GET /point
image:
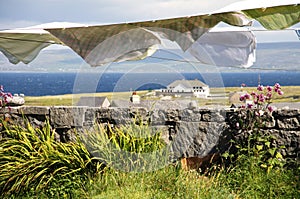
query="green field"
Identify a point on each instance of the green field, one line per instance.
(291, 94)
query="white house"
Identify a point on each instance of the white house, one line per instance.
(194, 88)
(135, 99)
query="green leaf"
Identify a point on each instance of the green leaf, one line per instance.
(278, 155)
(272, 151)
(259, 147)
(264, 166)
(268, 144)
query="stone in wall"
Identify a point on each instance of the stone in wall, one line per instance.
(213, 115)
(157, 117)
(196, 138)
(287, 141)
(67, 117)
(34, 110)
(288, 123)
(119, 116)
(189, 115)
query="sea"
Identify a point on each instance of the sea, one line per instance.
(48, 83)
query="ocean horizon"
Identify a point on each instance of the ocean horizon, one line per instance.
(40, 84)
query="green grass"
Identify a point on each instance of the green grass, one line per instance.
(33, 165)
(72, 99)
(291, 94)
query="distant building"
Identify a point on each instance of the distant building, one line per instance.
(194, 88)
(102, 102)
(135, 99)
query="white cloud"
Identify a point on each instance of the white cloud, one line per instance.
(104, 11)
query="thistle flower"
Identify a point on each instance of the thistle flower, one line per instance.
(247, 96)
(271, 108)
(260, 88)
(269, 96)
(242, 98)
(261, 98)
(277, 87)
(250, 106)
(269, 88)
(280, 92)
(253, 94)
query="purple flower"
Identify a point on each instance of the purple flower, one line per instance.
(261, 98)
(237, 125)
(247, 96)
(268, 96)
(254, 94)
(243, 85)
(269, 88)
(242, 98)
(277, 85)
(249, 106)
(271, 108)
(260, 88)
(280, 92)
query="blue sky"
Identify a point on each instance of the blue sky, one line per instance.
(22, 13)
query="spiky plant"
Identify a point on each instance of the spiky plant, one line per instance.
(128, 147)
(32, 161)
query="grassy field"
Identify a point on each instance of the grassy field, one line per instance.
(291, 94)
(34, 165)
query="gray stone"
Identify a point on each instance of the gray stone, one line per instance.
(288, 142)
(34, 110)
(120, 116)
(212, 116)
(11, 110)
(67, 117)
(270, 122)
(158, 117)
(172, 115)
(189, 115)
(196, 138)
(103, 113)
(90, 115)
(288, 123)
(286, 113)
(139, 113)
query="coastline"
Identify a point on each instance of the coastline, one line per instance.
(291, 95)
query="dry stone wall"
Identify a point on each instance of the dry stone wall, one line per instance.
(190, 132)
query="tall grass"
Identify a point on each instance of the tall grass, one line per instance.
(32, 161)
(128, 148)
(33, 165)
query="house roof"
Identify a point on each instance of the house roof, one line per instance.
(91, 101)
(188, 83)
